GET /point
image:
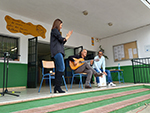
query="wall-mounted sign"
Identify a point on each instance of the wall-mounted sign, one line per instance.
(147, 48)
(92, 41)
(18, 26)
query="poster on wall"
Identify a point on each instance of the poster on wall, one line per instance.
(119, 52)
(18, 26)
(130, 53)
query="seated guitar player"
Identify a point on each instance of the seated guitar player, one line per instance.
(79, 67)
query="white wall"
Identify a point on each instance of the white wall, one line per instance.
(23, 39)
(75, 40)
(141, 35)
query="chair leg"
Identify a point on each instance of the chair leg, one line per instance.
(95, 81)
(81, 81)
(79, 84)
(90, 84)
(50, 83)
(122, 77)
(41, 84)
(65, 82)
(72, 82)
(119, 77)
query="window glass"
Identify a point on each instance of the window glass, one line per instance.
(10, 45)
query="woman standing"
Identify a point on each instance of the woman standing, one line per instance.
(57, 52)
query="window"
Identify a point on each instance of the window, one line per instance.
(10, 45)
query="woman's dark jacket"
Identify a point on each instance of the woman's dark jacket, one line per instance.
(56, 43)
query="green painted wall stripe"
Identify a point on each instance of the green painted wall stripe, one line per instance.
(17, 74)
(142, 73)
(127, 73)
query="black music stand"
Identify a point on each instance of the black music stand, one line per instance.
(6, 55)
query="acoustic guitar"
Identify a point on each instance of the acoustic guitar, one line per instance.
(79, 61)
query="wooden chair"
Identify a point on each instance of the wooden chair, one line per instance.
(50, 75)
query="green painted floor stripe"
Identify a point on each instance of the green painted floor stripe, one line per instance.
(93, 105)
(55, 100)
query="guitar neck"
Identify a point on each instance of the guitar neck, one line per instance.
(87, 61)
(80, 62)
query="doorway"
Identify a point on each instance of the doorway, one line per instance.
(43, 54)
(37, 51)
(42, 50)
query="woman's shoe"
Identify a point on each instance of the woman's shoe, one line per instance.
(58, 89)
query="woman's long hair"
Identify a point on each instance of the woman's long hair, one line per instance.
(56, 24)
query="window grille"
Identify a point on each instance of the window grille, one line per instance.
(10, 45)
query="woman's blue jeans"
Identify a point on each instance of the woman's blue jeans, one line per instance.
(59, 62)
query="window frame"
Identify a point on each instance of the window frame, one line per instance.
(16, 44)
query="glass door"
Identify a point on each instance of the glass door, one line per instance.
(32, 63)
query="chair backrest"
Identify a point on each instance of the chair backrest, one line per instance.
(47, 65)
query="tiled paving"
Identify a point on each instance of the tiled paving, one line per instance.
(142, 109)
(28, 94)
(79, 102)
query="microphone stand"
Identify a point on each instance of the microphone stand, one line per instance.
(5, 91)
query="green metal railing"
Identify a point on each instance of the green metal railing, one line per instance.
(141, 70)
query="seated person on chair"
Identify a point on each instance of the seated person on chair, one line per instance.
(97, 66)
(83, 67)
